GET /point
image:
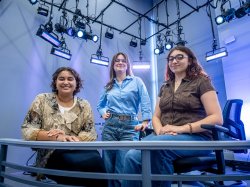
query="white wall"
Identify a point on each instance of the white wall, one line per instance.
(27, 65)
(236, 65)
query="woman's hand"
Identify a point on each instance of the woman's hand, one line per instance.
(55, 132)
(66, 138)
(142, 126)
(106, 115)
(171, 129)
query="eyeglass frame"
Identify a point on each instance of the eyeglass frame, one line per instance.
(170, 59)
(121, 60)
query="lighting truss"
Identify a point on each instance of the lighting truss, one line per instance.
(61, 52)
(100, 60)
(48, 36)
(216, 53)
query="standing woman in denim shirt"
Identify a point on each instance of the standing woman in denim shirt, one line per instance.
(119, 106)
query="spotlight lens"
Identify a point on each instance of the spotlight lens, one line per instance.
(95, 38)
(157, 51)
(70, 31)
(33, 2)
(219, 20)
(80, 34)
(168, 46)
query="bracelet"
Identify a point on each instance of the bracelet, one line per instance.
(190, 128)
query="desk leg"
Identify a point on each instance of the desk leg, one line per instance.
(146, 168)
(3, 156)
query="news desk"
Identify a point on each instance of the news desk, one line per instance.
(145, 147)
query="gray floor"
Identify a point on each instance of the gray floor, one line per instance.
(20, 174)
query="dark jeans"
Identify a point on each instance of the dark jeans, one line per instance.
(77, 160)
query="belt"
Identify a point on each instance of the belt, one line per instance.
(124, 117)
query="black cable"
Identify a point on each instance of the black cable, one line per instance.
(27, 164)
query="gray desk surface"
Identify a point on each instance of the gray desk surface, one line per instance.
(143, 145)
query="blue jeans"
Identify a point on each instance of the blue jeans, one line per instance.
(161, 160)
(117, 130)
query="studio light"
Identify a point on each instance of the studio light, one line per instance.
(80, 24)
(43, 10)
(33, 1)
(143, 42)
(169, 45)
(180, 42)
(60, 28)
(219, 20)
(79, 33)
(159, 50)
(225, 16)
(87, 35)
(141, 66)
(94, 38)
(48, 36)
(243, 10)
(100, 60)
(61, 52)
(71, 31)
(109, 33)
(229, 14)
(215, 54)
(133, 42)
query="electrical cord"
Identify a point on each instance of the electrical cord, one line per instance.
(33, 165)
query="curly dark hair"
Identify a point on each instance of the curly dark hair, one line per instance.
(193, 70)
(77, 77)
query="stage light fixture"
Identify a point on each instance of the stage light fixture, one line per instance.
(33, 1)
(143, 42)
(225, 16)
(43, 10)
(60, 28)
(229, 14)
(109, 33)
(216, 53)
(48, 36)
(133, 42)
(159, 50)
(99, 59)
(71, 31)
(141, 65)
(87, 36)
(80, 24)
(219, 20)
(169, 44)
(243, 10)
(94, 38)
(79, 33)
(61, 52)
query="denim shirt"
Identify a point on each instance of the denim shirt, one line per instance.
(125, 98)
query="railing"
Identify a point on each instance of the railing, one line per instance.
(146, 177)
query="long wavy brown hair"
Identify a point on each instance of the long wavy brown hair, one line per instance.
(112, 73)
(73, 72)
(193, 70)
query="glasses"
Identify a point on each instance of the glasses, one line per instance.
(178, 57)
(120, 60)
